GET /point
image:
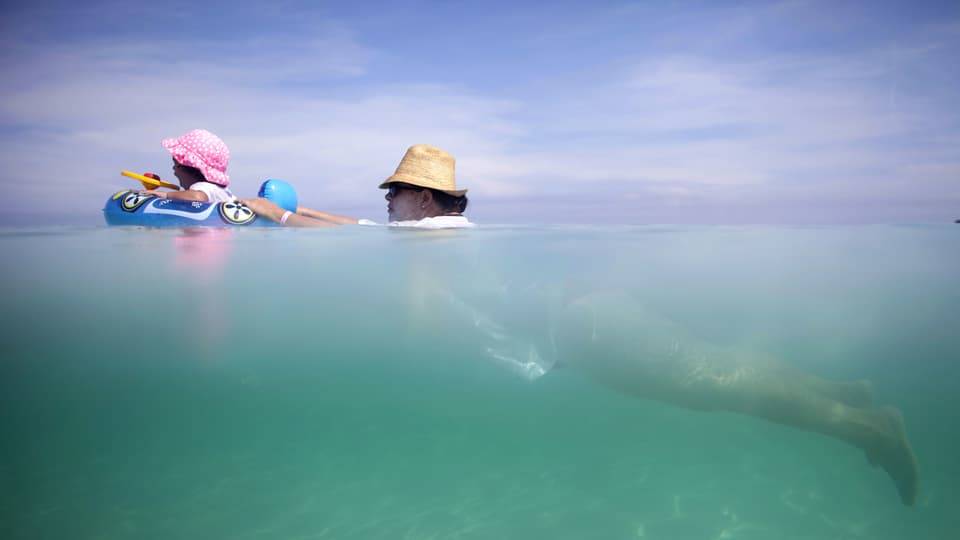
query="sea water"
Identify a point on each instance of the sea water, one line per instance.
(378, 383)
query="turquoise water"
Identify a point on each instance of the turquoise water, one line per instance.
(374, 383)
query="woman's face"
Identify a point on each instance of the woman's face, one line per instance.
(404, 202)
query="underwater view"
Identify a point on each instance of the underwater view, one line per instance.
(560, 382)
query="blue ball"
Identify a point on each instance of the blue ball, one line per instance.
(279, 192)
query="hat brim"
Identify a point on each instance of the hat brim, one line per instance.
(413, 181)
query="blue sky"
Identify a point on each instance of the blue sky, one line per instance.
(788, 112)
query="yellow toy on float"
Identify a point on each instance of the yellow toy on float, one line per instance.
(150, 180)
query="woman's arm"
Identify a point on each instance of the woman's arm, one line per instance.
(325, 216)
(270, 210)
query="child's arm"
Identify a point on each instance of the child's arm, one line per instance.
(185, 195)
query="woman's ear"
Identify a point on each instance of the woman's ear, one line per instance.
(426, 197)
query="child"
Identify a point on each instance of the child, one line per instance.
(200, 164)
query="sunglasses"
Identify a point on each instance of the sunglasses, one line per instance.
(396, 188)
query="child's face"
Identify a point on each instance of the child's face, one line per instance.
(186, 175)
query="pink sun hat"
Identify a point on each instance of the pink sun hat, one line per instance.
(203, 150)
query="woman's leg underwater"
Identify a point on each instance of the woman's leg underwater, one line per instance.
(616, 341)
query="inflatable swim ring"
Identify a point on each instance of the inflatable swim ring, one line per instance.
(131, 208)
(128, 207)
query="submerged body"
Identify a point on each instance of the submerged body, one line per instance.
(616, 339)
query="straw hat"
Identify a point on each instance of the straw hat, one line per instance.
(426, 166)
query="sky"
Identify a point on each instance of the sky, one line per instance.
(793, 112)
